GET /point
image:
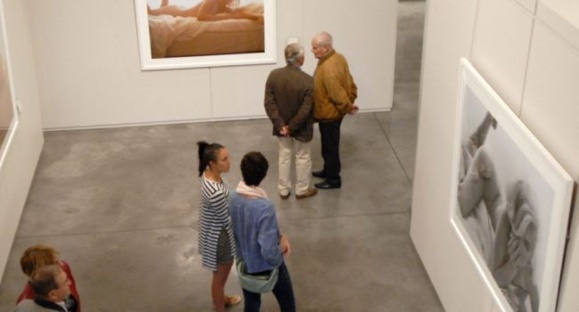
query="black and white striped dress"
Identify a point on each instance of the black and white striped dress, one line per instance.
(213, 217)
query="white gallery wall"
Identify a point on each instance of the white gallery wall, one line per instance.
(23, 152)
(87, 59)
(528, 50)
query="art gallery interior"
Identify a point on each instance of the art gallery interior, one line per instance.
(101, 160)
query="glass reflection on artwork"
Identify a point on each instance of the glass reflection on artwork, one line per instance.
(8, 118)
(6, 109)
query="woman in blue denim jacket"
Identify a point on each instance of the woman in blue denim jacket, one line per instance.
(258, 240)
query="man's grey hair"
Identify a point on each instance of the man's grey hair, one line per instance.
(293, 53)
(324, 39)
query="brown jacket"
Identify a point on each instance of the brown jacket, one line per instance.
(334, 88)
(289, 101)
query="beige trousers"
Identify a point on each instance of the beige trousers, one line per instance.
(287, 148)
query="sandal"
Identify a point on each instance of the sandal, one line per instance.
(232, 300)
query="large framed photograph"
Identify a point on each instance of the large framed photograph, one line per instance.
(205, 33)
(510, 200)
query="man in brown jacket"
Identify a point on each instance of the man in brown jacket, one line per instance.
(288, 103)
(334, 96)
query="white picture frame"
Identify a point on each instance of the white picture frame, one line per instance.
(176, 42)
(510, 200)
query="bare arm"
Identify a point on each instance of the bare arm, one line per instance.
(174, 10)
(479, 136)
(285, 245)
(214, 10)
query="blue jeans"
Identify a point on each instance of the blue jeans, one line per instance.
(283, 292)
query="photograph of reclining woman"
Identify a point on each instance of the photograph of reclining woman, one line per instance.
(204, 33)
(508, 208)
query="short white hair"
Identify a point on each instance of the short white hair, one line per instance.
(324, 39)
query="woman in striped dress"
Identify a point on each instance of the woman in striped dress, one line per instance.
(216, 242)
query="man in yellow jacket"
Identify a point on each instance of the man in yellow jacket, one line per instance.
(334, 96)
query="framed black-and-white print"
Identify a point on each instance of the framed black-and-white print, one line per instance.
(510, 201)
(205, 33)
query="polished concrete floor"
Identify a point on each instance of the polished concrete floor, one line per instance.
(121, 205)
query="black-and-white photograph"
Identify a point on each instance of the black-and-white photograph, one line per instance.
(510, 199)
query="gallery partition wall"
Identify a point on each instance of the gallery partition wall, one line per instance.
(22, 145)
(528, 53)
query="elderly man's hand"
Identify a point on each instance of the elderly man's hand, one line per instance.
(354, 109)
(285, 131)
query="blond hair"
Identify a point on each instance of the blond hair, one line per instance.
(37, 256)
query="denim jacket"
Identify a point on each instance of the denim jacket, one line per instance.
(256, 232)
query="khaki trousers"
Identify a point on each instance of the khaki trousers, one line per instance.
(288, 147)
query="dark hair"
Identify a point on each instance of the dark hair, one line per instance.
(254, 168)
(44, 279)
(207, 153)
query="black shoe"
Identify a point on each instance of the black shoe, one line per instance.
(327, 185)
(319, 174)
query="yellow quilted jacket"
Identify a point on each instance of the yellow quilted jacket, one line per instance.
(334, 88)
